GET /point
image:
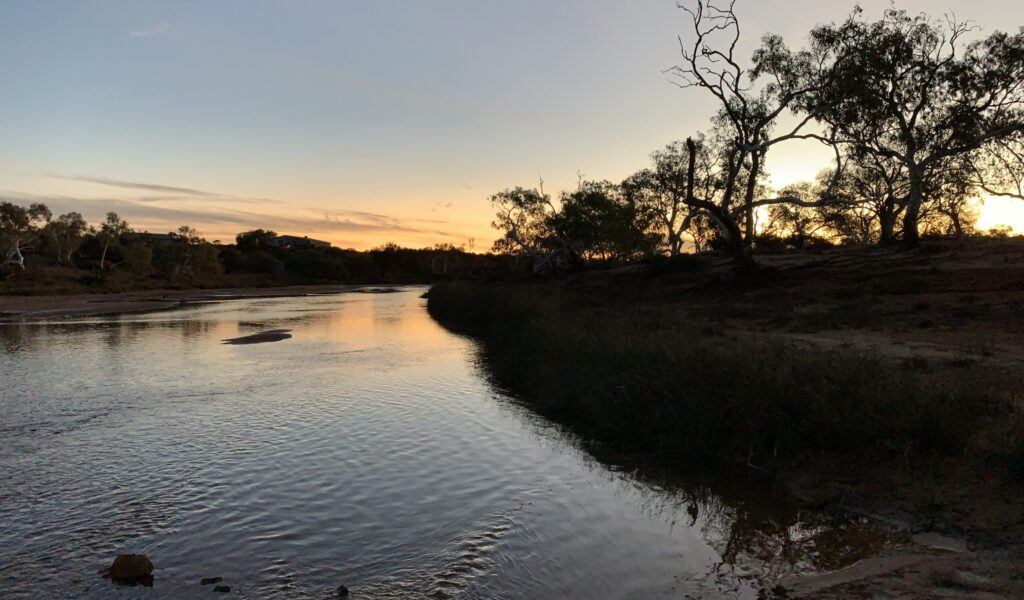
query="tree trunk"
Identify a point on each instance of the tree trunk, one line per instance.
(737, 247)
(748, 200)
(738, 250)
(887, 225)
(958, 228)
(911, 236)
(103, 257)
(17, 258)
(674, 243)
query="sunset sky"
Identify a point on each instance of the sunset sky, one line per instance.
(361, 122)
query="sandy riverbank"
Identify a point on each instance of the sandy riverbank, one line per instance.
(31, 308)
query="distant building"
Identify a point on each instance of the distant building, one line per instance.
(294, 241)
(154, 238)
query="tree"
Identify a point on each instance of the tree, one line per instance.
(188, 254)
(661, 192)
(109, 235)
(950, 206)
(18, 227)
(257, 238)
(66, 233)
(797, 226)
(751, 102)
(138, 258)
(907, 89)
(598, 222)
(876, 189)
(523, 217)
(997, 169)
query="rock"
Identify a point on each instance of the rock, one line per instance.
(131, 569)
(222, 589)
(209, 580)
(272, 335)
(342, 591)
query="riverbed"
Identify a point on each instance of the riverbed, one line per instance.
(357, 443)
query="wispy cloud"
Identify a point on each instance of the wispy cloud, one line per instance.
(161, 28)
(156, 217)
(157, 187)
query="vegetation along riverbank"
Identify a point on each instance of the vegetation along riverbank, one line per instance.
(876, 380)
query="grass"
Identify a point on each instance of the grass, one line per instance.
(643, 378)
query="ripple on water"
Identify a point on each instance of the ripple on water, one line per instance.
(368, 450)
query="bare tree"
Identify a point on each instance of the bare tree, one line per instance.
(751, 104)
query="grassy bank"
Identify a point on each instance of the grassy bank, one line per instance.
(642, 378)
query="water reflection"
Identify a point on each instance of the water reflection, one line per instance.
(366, 450)
(759, 532)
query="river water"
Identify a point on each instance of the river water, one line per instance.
(369, 449)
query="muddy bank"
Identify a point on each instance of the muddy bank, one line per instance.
(29, 308)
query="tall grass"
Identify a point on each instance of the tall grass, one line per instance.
(643, 378)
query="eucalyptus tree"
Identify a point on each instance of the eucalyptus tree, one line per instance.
(522, 216)
(110, 234)
(66, 233)
(601, 222)
(997, 169)
(752, 102)
(913, 91)
(661, 191)
(875, 189)
(19, 226)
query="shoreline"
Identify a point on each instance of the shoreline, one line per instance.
(28, 309)
(940, 473)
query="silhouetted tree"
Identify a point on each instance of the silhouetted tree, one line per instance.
(660, 191)
(750, 104)
(252, 240)
(598, 222)
(18, 227)
(524, 218)
(908, 90)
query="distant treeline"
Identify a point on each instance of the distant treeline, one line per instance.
(922, 125)
(43, 253)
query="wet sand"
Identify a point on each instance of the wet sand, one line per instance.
(32, 308)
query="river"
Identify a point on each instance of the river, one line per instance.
(368, 449)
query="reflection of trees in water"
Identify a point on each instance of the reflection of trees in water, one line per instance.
(24, 336)
(121, 333)
(759, 533)
(13, 336)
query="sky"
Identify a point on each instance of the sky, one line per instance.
(363, 122)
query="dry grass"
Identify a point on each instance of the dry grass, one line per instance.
(641, 378)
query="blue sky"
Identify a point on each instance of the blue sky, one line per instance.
(358, 122)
